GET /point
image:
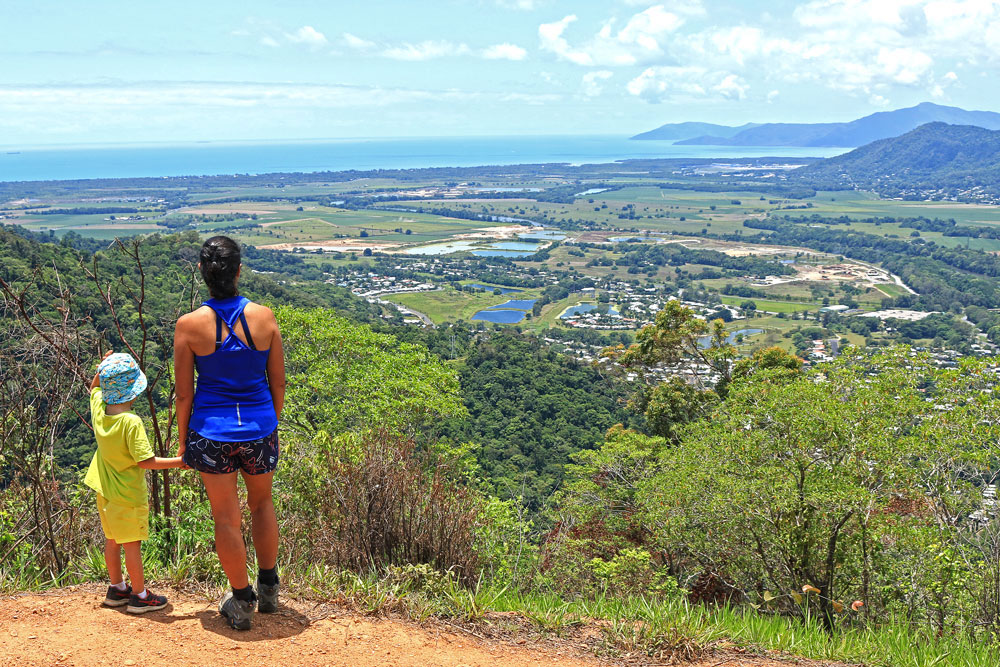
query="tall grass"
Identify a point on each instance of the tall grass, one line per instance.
(895, 644)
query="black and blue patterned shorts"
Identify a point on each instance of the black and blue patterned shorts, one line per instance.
(254, 457)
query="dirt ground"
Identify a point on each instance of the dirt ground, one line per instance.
(70, 627)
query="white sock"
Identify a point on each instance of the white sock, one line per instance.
(144, 594)
(120, 586)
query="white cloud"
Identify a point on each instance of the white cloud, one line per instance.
(591, 82)
(308, 36)
(550, 35)
(732, 87)
(523, 5)
(903, 65)
(641, 40)
(739, 42)
(504, 51)
(426, 50)
(267, 40)
(657, 84)
(683, 7)
(139, 97)
(356, 42)
(152, 110)
(689, 83)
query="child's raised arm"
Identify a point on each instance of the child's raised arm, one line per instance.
(96, 382)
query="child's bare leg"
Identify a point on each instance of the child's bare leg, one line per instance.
(133, 563)
(113, 559)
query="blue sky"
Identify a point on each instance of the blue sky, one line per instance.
(98, 72)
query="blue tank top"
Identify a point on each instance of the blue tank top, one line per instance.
(232, 402)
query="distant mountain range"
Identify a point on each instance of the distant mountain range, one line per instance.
(935, 159)
(881, 125)
(678, 131)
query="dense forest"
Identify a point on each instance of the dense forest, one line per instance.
(529, 409)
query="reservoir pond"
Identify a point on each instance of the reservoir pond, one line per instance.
(499, 316)
(488, 288)
(516, 304)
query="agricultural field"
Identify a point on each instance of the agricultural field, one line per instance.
(96, 225)
(333, 224)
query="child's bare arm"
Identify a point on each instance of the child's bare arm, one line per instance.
(96, 382)
(159, 463)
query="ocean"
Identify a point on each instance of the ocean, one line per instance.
(213, 158)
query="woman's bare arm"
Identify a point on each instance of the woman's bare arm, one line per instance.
(183, 380)
(276, 370)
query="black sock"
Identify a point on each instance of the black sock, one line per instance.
(243, 594)
(268, 577)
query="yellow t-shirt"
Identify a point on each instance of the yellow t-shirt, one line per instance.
(121, 442)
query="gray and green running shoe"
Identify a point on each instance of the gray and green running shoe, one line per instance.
(267, 597)
(238, 612)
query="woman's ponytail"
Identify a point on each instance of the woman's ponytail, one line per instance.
(220, 262)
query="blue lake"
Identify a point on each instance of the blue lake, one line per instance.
(516, 245)
(545, 235)
(626, 239)
(488, 288)
(517, 304)
(581, 309)
(441, 248)
(499, 316)
(704, 341)
(503, 253)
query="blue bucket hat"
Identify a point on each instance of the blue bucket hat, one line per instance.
(120, 378)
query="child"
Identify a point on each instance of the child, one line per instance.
(117, 474)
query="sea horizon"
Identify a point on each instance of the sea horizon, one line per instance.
(212, 158)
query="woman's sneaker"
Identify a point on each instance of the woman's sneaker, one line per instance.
(267, 600)
(152, 602)
(238, 612)
(117, 598)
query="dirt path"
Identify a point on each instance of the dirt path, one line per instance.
(70, 627)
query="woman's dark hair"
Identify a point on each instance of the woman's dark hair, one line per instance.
(220, 261)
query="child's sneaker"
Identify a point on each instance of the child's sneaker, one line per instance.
(238, 612)
(152, 602)
(116, 597)
(267, 602)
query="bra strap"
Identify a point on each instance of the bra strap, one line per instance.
(218, 331)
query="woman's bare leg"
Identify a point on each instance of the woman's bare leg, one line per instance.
(229, 545)
(263, 520)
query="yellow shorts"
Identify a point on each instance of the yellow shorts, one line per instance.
(121, 523)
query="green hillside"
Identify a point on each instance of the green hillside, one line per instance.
(934, 157)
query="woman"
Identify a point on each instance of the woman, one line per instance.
(229, 424)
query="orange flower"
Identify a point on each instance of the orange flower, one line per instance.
(857, 605)
(809, 589)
